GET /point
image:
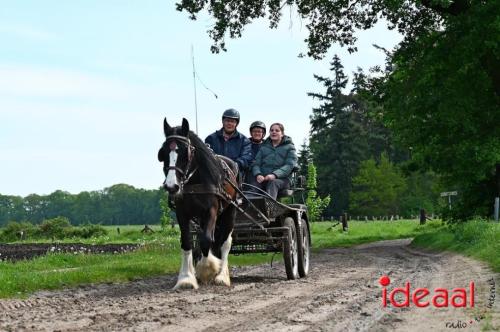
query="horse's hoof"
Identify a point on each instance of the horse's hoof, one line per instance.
(188, 282)
(223, 279)
(207, 268)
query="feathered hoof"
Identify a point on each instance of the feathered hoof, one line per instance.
(223, 279)
(186, 282)
(208, 268)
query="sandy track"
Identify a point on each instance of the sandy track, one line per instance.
(342, 293)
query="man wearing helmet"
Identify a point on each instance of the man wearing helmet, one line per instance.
(257, 133)
(229, 142)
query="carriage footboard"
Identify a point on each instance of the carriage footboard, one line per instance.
(252, 240)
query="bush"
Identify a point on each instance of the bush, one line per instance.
(55, 228)
(86, 231)
(13, 230)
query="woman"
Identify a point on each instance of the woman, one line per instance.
(274, 162)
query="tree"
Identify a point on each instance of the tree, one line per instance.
(441, 97)
(422, 192)
(377, 188)
(315, 205)
(338, 138)
(440, 91)
(304, 158)
(328, 22)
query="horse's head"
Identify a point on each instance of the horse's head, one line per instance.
(176, 154)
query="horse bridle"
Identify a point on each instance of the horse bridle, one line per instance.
(186, 173)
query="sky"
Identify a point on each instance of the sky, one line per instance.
(85, 86)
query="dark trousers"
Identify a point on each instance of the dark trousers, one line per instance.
(271, 187)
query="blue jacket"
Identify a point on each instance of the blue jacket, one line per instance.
(255, 149)
(238, 147)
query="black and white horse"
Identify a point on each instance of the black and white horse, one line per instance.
(203, 188)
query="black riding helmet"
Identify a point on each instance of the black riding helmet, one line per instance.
(258, 124)
(232, 114)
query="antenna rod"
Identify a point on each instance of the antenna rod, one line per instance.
(194, 83)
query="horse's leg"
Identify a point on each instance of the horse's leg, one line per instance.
(186, 278)
(209, 265)
(227, 224)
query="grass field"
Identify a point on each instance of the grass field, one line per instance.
(160, 252)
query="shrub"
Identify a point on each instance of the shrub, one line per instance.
(13, 230)
(54, 228)
(86, 232)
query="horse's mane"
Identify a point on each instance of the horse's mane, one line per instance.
(206, 159)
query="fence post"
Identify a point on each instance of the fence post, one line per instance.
(497, 203)
(422, 217)
(344, 222)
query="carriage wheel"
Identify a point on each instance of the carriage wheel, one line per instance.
(304, 249)
(290, 252)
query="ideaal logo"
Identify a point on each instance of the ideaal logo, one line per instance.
(422, 297)
(439, 298)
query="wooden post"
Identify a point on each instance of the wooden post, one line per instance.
(422, 217)
(345, 228)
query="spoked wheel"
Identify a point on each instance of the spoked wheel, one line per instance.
(290, 251)
(304, 249)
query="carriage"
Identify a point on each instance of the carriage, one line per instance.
(267, 225)
(218, 215)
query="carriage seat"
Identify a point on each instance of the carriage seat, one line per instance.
(297, 183)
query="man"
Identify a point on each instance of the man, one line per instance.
(229, 142)
(257, 133)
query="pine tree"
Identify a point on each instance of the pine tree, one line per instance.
(338, 142)
(304, 158)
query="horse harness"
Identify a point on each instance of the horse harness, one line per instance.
(226, 191)
(186, 174)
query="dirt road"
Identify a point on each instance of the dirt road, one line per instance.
(342, 293)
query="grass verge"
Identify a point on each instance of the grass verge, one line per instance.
(359, 232)
(479, 239)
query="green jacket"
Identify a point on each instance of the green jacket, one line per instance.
(279, 160)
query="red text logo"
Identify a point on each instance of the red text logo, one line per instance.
(422, 297)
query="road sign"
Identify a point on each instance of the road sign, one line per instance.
(449, 193)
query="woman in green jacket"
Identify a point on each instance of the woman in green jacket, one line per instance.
(274, 162)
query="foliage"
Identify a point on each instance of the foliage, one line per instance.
(440, 96)
(315, 204)
(117, 205)
(477, 238)
(54, 228)
(304, 158)
(422, 192)
(15, 231)
(57, 228)
(86, 231)
(377, 188)
(344, 132)
(165, 219)
(328, 22)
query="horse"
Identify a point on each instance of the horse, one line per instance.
(203, 188)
